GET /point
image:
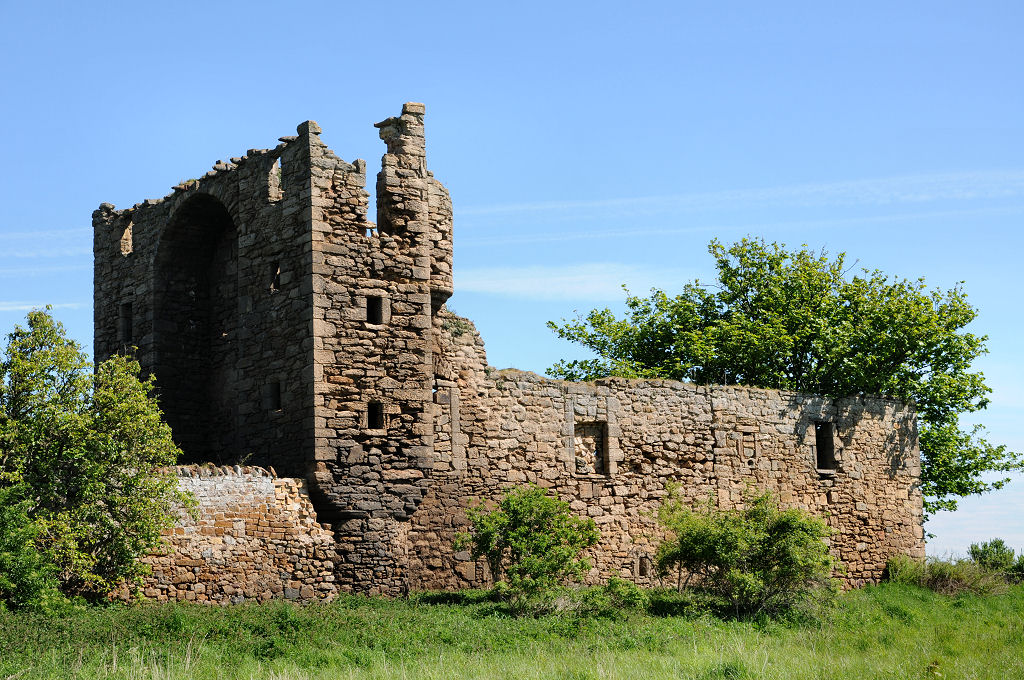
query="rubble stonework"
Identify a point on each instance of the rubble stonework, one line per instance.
(287, 329)
(254, 536)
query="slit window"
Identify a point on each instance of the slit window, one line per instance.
(375, 415)
(275, 182)
(824, 445)
(272, 396)
(126, 239)
(124, 323)
(644, 568)
(374, 309)
(275, 277)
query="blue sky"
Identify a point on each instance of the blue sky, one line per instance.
(585, 145)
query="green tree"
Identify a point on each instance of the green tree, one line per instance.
(86, 457)
(759, 559)
(797, 320)
(993, 555)
(532, 540)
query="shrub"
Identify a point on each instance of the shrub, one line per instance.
(949, 577)
(687, 603)
(614, 600)
(1016, 572)
(532, 541)
(759, 560)
(626, 594)
(85, 456)
(993, 555)
(27, 579)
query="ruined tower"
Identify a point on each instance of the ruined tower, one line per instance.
(284, 328)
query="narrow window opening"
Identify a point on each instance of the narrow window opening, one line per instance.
(126, 239)
(374, 309)
(644, 567)
(275, 277)
(124, 323)
(272, 396)
(275, 182)
(824, 444)
(375, 415)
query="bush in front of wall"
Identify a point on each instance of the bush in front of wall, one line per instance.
(532, 542)
(758, 560)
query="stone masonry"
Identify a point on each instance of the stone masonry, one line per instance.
(255, 537)
(286, 329)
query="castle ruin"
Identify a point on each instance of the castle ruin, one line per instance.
(307, 354)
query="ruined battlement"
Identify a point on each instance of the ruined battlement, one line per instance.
(288, 331)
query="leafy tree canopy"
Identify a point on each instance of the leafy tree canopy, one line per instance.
(798, 320)
(84, 458)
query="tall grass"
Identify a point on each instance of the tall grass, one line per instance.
(950, 577)
(888, 631)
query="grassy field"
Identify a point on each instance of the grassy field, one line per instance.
(889, 631)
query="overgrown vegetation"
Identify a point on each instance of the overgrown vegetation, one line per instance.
(532, 542)
(889, 631)
(85, 487)
(945, 576)
(797, 320)
(993, 555)
(989, 568)
(455, 324)
(755, 560)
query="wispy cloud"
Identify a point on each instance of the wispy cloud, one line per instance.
(29, 306)
(45, 243)
(550, 236)
(874, 191)
(33, 253)
(21, 272)
(598, 281)
(29, 234)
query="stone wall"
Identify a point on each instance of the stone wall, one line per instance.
(612, 447)
(211, 286)
(254, 537)
(285, 328)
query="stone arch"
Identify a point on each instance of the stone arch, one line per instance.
(196, 328)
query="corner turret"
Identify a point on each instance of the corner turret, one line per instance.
(412, 205)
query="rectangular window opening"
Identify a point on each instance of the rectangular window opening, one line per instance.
(824, 445)
(124, 323)
(272, 396)
(374, 309)
(644, 568)
(590, 443)
(375, 416)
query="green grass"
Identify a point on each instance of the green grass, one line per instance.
(890, 631)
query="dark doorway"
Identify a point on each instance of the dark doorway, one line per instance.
(195, 327)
